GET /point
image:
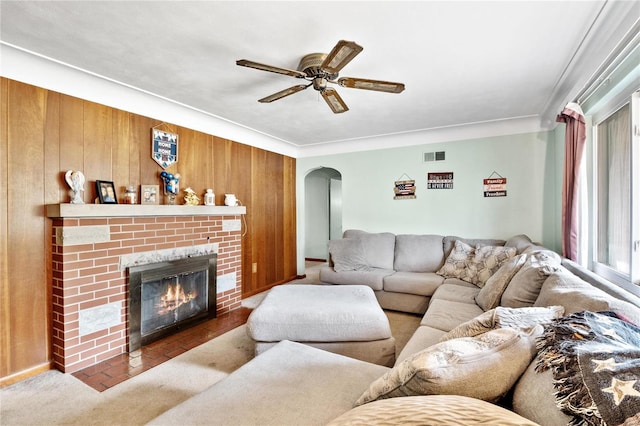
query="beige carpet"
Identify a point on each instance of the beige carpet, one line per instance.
(54, 398)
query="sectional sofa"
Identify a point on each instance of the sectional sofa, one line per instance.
(489, 309)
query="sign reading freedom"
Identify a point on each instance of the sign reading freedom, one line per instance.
(495, 187)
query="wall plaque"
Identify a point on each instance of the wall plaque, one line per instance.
(440, 180)
(164, 147)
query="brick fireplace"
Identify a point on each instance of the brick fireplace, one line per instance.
(93, 247)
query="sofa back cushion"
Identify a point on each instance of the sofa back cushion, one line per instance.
(418, 253)
(379, 248)
(524, 287)
(566, 289)
(347, 254)
(449, 242)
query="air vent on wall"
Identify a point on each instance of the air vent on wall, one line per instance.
(433, 156)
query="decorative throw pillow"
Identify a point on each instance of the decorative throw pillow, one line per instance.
(347, 254)
(486, 260)
(460, 367)
(519, 318)
(432, 410)
(490, 294)
(456, 264)
(524, 287)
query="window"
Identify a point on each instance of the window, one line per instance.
(616, 194)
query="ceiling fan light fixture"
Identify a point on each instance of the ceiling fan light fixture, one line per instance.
(340, 55)
(334, 101)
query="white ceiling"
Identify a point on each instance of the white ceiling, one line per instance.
(462, 62)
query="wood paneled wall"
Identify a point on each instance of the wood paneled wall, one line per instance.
(44, 133)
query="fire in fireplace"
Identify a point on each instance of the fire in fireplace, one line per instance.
(166, 297)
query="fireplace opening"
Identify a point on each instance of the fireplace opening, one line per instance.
(169, 296)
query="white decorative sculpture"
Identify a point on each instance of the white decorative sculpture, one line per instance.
(76, 181)
(230, 200)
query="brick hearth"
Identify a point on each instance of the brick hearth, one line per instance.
(90, 280)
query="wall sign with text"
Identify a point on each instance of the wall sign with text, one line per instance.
(495, 187)
(440, 180)
(164, 148)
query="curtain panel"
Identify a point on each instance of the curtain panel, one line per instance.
(574, 141)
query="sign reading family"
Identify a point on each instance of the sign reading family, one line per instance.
(495, 187)
(440, 180)
(164, 148)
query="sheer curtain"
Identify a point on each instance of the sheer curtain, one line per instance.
(575, 136)
(614, 191)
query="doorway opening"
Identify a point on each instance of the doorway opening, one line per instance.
(323, 211)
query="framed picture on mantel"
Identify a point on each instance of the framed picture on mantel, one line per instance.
(150, 194)
(106, 192)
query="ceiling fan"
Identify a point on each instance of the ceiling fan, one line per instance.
(320, 69)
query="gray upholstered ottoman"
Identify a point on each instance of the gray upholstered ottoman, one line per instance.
(343, 319)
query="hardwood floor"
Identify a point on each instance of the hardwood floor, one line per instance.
(118, 369)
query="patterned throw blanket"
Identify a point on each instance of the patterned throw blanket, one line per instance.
(595, 360)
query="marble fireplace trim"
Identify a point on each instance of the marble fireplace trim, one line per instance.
(156, 256)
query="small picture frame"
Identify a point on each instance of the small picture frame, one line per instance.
(106, 192)
(150, 194)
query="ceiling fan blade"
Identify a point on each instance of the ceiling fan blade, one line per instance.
(341, 55)
(281, 94)
(377, 85)
(334, 101)
(270, 68)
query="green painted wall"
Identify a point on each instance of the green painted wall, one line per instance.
(531, 163)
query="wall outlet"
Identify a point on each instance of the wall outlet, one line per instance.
(254, 268)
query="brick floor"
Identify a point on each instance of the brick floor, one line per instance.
(116, 370)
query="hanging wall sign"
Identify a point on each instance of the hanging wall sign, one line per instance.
(164, 147)
(495, 186)
(440, 180)
(405, 190)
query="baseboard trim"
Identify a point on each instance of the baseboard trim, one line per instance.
(25, 374)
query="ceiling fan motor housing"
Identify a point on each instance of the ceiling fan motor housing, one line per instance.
(310, 65)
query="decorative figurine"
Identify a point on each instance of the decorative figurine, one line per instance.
(209, 198)
(76, 181)
(191, 199)
(171, 185)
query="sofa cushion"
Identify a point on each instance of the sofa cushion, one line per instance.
(566, 289)
(520, 242)
(455, 266)
(271, 388)
(379, 248)
(421, 339)
(446, 314)
(420, 283)
(448, 243)
(501, 317)
(533, 398)
(524, 287)
(474, 264)
(347, 254)
(459, 367)
(418, 253)
(457, 293)
(433, 410)
(486, 260)
(490, 295)
(373, 278)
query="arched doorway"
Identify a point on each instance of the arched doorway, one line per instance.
(323, 211)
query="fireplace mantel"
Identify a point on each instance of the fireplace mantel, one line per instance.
(67, 210)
